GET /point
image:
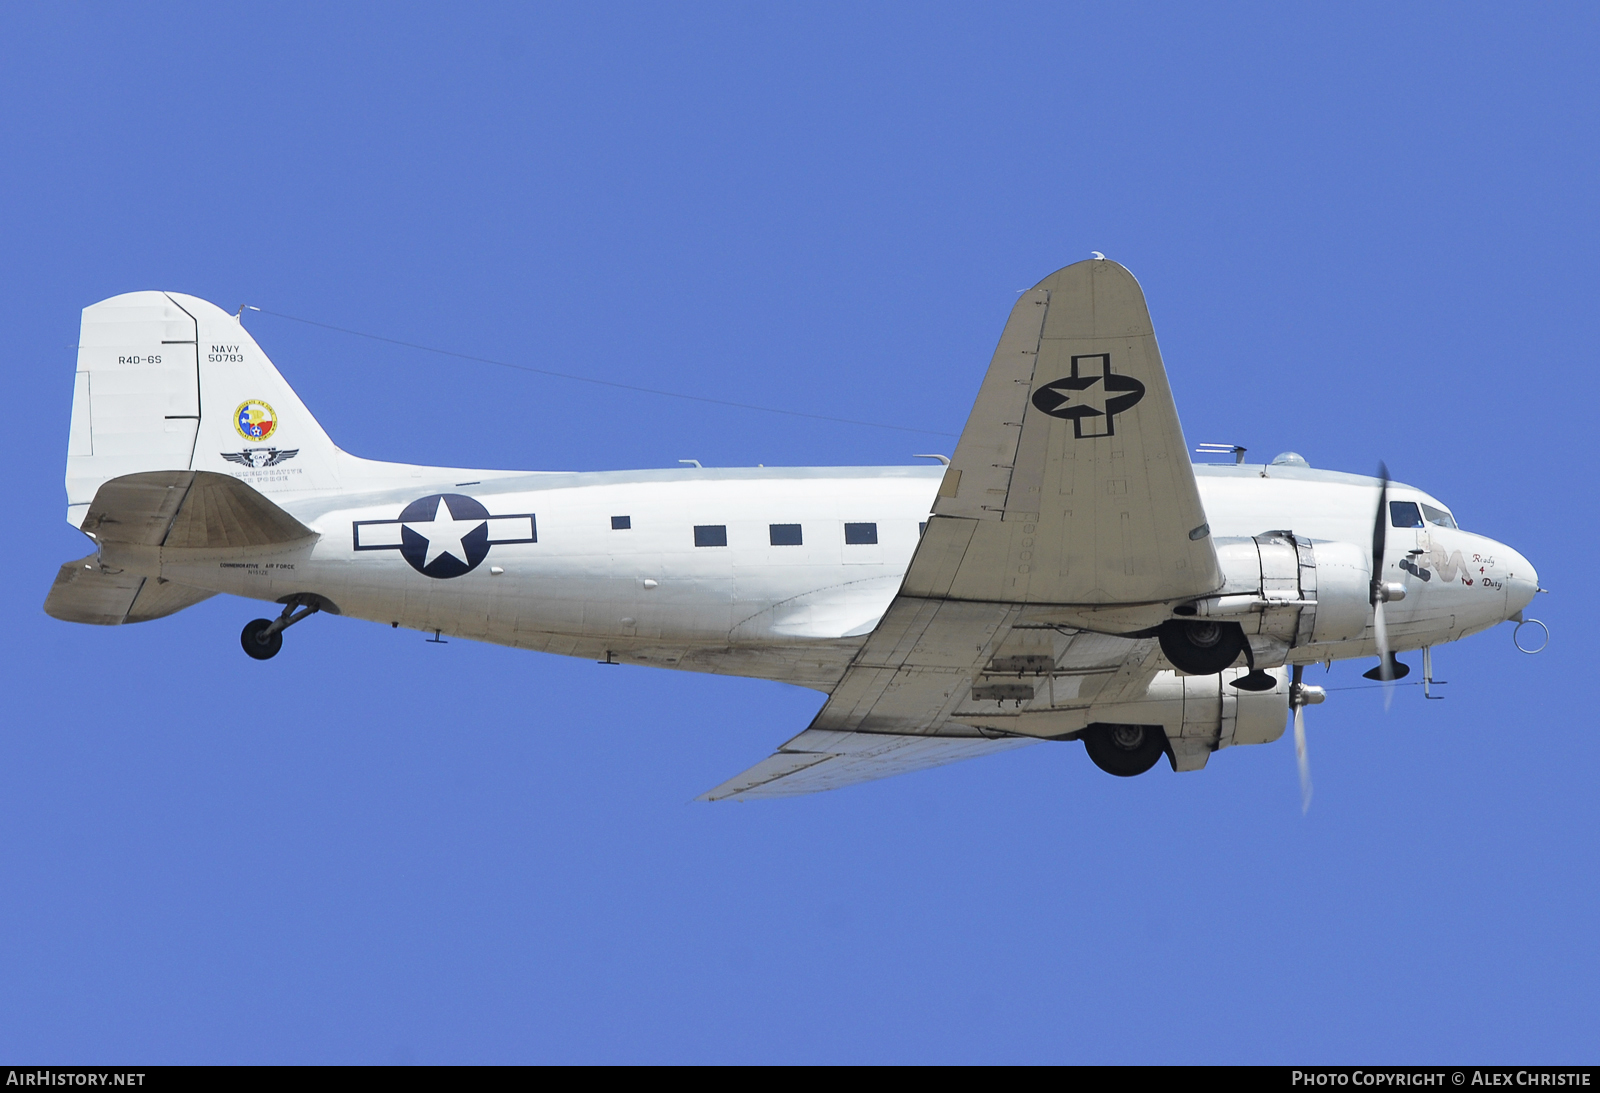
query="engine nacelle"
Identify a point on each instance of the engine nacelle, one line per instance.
(1286, 591)
(1201, 714)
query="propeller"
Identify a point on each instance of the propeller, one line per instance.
(1302, 695)
(1382, 592)
(1380, 532)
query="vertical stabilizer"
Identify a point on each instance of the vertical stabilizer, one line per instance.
(170, 382)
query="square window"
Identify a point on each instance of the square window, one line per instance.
(861, 534)
(621, 523)
(710, 535)
(784, 534)
(1405, 514)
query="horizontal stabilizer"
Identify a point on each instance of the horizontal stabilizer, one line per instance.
(84, 592)
(188, 510)
(819, 760)
(147, 518)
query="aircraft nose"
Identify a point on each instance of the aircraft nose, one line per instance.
(1522, 582)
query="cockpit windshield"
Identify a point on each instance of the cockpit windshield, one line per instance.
(1409, 514)
(1437, 516)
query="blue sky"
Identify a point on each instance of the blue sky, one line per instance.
(1364, 233)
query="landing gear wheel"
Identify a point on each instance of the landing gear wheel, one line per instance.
(1201, 647)
(1125, 750)
(257, 642)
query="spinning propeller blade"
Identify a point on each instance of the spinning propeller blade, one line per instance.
(1380, 531)
(1295, 699)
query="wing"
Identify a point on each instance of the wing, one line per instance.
(1071, 483)
(942, 680)
(815, 761)
(277, 456)
(237, 457)
(1066, 526)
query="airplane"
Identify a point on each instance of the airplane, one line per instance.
(1067, 574)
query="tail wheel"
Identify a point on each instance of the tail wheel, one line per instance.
(259, 640)
(1201, 647)
(1125, 750)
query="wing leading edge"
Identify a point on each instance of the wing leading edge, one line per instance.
(1068, 522)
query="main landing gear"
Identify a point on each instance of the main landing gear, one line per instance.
(1125, 750)
(262, 638)
(1201, 647)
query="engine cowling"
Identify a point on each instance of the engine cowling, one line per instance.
(1286, 591)
(1201, 714)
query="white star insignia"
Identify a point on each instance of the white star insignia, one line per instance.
(1093, 396)
(444, 534)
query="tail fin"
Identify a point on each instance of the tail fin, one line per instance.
(170, 382)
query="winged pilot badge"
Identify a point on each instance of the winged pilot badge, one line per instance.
(258, 458)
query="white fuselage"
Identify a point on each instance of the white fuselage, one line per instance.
(647, 593)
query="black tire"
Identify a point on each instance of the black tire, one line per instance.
(1125, 750)
(1201, 647)
(257, 646)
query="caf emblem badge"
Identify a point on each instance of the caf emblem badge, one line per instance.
(255, 420)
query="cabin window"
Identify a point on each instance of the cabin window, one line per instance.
(1405, 514)
(710, 535)
(860, 534)
(621, 523)
(784, 534)
(922, 529)
(1437, 516)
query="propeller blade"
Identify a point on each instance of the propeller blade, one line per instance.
(1300, 757)
(1296, 696)
(1380, 529)
(1380, 632)
(1380, 536)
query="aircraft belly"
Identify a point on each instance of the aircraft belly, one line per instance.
(783, 604)
(565, 605)
(686, 628)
